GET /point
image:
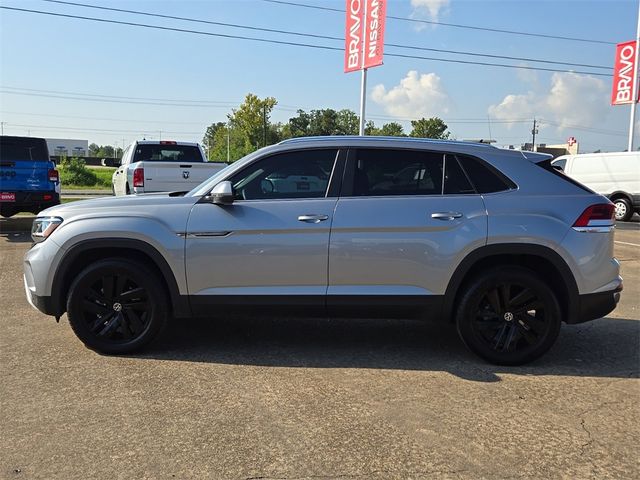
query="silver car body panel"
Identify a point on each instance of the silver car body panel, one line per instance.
(366, 246)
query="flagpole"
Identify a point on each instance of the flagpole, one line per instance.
(363, 99)
(634, 97)
(363, 79)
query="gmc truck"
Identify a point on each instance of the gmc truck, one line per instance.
(162, 166)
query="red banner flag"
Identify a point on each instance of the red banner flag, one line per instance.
(353, 35)
(364, 36)
(374, 36)
(624, 72)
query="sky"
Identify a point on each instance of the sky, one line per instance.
(111, 84)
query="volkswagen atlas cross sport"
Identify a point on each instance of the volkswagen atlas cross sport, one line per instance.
(497, 242)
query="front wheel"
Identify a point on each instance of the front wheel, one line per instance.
(624, 212)
(117, 306)
(508, 316)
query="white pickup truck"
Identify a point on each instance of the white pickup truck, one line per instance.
(162, 166)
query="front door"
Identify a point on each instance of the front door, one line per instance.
(270, 247)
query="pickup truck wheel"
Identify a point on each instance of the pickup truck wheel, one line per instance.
(624, 212)
(116, 306)
(508, 316)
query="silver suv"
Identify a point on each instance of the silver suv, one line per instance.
(496, 241)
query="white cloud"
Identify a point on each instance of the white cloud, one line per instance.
(414, 97)
(572, 99)
(429, 9)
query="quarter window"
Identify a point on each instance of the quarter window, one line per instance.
(299, 174)
(483, 178)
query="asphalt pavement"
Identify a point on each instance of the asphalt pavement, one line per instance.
(315, 399)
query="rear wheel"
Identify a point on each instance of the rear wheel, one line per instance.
(116, 306)
(508, 316)
(623, 209)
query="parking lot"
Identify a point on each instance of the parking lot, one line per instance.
(308, 399)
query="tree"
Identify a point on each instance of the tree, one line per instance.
(93, 150)
(208, 141)
(251, 119)
(392, 129)
(297, 126)
(429, 128)
(347, 122)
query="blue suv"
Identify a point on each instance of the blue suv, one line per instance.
(29, 181)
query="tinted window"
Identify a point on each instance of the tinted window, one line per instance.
(301, 174)
(455, 180)
(483, 178)
(167, 153)
(23, 148)
(561, 164)
(397, 172)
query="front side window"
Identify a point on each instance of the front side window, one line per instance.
(299, 174)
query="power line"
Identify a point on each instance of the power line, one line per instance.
(102, 119)
(326, 37)
(101, 130)
(296, 44)
(456, 25)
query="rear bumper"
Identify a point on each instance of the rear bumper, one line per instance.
(31, 200)
(596, 305)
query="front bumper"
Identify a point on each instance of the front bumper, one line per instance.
(43, 304)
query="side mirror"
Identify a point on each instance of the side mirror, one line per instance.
(222, 194)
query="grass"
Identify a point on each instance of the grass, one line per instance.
(103, 175)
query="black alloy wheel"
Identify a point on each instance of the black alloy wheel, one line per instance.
(509, 316)
(116, 306)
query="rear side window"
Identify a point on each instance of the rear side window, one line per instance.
(167, 153)
(550, 167)
(23, 149)
(381, 172)
(484, 178)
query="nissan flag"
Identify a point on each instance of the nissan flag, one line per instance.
(364, 37)
(624, 73)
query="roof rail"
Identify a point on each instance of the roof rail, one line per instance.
(357, 138)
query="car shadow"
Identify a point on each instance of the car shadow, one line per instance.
(16, 237)
(603, 348)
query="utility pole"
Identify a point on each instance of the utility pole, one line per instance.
(2, 124)
(264, 125)
(534, 131)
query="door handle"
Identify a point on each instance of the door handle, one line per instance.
(446, 215)
(313, 218)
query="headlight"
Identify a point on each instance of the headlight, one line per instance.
(43, 227)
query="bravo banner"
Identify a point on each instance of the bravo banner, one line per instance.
(624, 73)
(364, 37)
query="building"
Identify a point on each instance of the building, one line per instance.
(65, 147)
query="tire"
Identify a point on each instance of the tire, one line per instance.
(624, 212)
(508, 316)
(8, 212)
(117, 306)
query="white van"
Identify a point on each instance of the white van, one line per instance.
(616, 175)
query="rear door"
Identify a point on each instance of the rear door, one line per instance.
(405, 220)
(24, 166)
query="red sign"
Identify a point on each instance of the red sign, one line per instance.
(374, 36)
(7, 197)
(624, 73)
(571, 141)
(364, 38)
(353, 36)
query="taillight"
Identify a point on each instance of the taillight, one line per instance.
(138, 177)
(599, 215)
(46, 197)
(53, 175)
